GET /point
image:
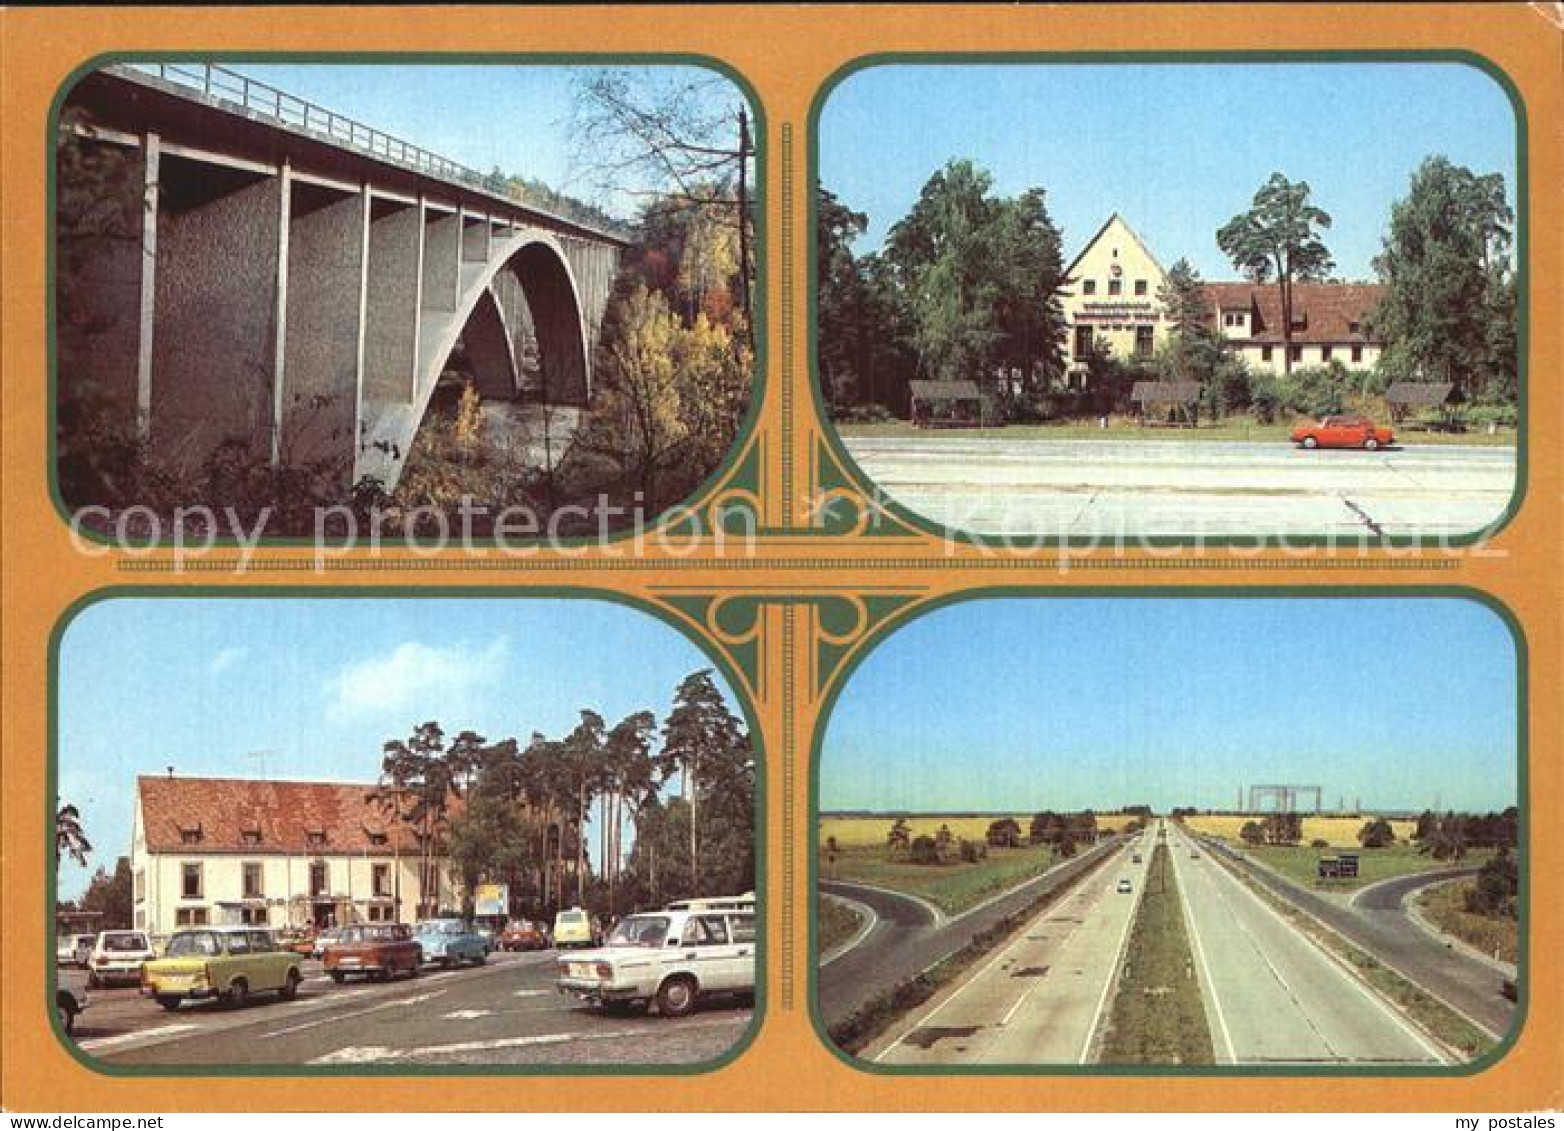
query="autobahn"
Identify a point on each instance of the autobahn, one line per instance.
(1272, 995)
(504, 1013)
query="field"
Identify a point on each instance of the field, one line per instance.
(1122, 428)
(1445, 907)
(863, 832)
(953, 887)
(1338, 832)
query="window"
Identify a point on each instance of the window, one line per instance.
(251, 837)
(1115, 286)
(1297, 353)
(1088, 286)
(743, 928)
(254, 888)
(140, 882)
(318, 878)
(1144, 342)
(190, 835)
(252, 916)
(1140, 286)
(1353, 327)
(1324, 353)
(261, 942)
(379, 914)
(190, 881)
(239, 943)
(378, 840)
(380, 878)
(706, 930)
(1265, 353)
(189, 917)
(316, 838)
(1083, 341)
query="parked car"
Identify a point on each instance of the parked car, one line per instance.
(375, 950)
(673, 957)
(117, 956)
(323, 940)
(488, 934)
(1343, 432)
(573, 928)
(70, 997)
(301, 942)
(73, 950)
(524, 934)
(450, 941)
(228, 963)
(1124, 887)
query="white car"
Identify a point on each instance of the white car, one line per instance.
(74, 950)
(689, 950)
(117, 956)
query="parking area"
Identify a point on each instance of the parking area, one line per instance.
(1110, 490)
(504, 1012)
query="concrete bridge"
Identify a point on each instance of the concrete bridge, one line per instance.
(238, 266)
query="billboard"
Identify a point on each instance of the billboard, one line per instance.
(491, 899)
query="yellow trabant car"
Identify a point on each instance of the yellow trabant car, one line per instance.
(573, 928)
(228, 963)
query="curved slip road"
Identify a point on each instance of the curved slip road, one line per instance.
(910, 935)
(1390, 895)
(1468, 985)
(1272, 995)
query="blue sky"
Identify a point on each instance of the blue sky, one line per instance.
(1067, 703)
(320, 685)
(1177, 149)
(516, 116)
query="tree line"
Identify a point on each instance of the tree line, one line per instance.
(501, 812)
(968, 286)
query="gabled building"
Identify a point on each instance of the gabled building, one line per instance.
(272, 853)
(1112, 302)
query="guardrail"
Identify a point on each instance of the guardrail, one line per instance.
(268, 101)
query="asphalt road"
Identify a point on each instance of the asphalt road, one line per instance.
(1113, 489)
(1466, 984)
(910, 936)
(1040, 998)
(1272, 995)
(506, 1012)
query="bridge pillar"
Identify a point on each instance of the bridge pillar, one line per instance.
(442, 260)
(214, 342)
(391, 308)
(475, 238)
(328, 245)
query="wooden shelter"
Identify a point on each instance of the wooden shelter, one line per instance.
(1406, 397)
(1175, 402)
(946, 404)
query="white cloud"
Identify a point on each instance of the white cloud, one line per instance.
(227, 658)
(414, 675)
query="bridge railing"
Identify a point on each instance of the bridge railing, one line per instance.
(268, 101)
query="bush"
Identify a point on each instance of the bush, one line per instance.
(1265, 398)
(1315, 390)
(1318, 843)
(861, 414)
(1497, 888)
(972, 851)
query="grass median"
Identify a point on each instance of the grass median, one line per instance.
(836, 923)
(1158, 1016)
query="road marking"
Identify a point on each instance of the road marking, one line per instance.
(1205, 969)
(1340, 967)
(303, 1025)
(140, 1034)
(467, 1014)
(1113, 974)
(937, 912)
(370, 1054)
(532, 993)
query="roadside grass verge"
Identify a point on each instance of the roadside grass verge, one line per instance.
(835, 923)
(870, 1020)
(1122, 429)
(1433, 1016)
(1158, 1015)
(1444, 905)
(1300, 863)
(953, 887)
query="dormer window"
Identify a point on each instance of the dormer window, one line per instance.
(250, 836)
(1354, 327)
(189, 834)
(316, 838)
(378, 839)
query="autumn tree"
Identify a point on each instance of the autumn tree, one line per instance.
(1278, 239)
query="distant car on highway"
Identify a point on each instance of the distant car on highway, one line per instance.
(117, 956)
(70, 997)
(450, 941)
(1124, 886)
(1343, 432)
(674, 957)
(227, 963)
(375, 950)
(523, 934)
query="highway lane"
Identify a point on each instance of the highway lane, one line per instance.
(1039, 998)
(1466, 984)
(507, 1012)
(1390, 895)
(1103, 489)
(910, 936)
(1272, 995)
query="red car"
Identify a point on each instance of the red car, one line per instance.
(1343, 432)
(375, 950)
(523, 934)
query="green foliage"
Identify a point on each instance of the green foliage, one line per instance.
(70, 840)
(924, 851)
(1497, 890)
(1004, 833)
(1376, 834)
(1252, 833)
(111, 896)
(1449, 311)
